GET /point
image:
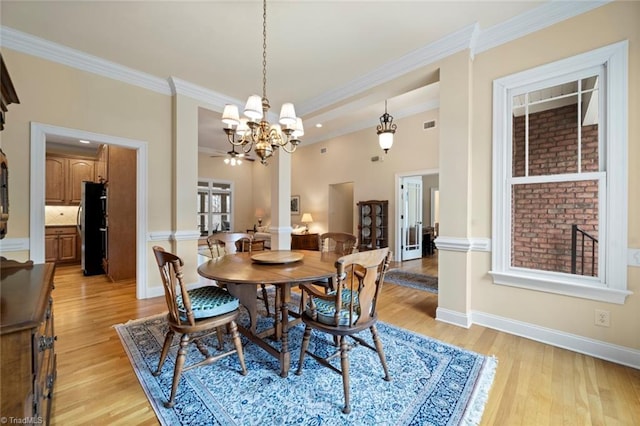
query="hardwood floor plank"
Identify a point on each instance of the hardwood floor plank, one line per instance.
(535, 384)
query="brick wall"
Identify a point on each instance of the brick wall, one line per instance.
(543, 213)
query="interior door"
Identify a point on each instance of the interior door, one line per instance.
(411, 218)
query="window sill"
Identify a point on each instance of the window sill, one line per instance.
(557, 286)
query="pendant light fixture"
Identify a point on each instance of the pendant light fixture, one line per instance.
(386, 129)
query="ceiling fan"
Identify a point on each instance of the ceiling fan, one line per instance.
(233, 157)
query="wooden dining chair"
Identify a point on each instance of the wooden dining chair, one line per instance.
(340, 243)
(194, 314)
(216, 247)
(346, 310)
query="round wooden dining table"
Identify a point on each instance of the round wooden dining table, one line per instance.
(242, 273)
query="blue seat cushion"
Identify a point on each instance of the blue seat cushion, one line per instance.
(326, 309)
(209, 301)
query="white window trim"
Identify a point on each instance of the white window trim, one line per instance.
(613, 289)
(211, 181)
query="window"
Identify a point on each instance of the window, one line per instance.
(214, 206)
(560, 177)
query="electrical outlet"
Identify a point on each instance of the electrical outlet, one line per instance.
(602, 318)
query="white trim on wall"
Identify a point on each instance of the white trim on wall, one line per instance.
(14, 244)
(41, 48)
(39, 134)
(595, 348)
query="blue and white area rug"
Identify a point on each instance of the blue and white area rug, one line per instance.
(433, 383)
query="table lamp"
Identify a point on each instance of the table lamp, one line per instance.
(306, 218)
(259, 214)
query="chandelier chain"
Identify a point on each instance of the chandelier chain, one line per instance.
(264, 50)
(255, 131)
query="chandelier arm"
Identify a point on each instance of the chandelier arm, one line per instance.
(289, 150)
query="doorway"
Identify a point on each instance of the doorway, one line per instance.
(429, 179)
(39, 134)
(411, 218)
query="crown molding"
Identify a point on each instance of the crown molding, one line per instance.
(215, 99)
(534, 20)
(413, 60)
(41, 48)
(470, 37)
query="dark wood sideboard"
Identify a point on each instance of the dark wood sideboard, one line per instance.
(27, 343)
(305, 242)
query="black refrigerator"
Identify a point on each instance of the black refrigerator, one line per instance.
(93, 227)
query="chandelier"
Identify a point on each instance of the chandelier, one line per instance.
(386, 129)
(253, 130)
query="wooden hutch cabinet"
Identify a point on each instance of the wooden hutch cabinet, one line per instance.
(373, 229)
(27, 343)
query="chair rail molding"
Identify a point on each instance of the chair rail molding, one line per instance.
(463, 244)
(14, 244)
(185, 235)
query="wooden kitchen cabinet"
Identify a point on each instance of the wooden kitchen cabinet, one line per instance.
(64, 176)
(101, 165)
(120, 263)
(61, 244)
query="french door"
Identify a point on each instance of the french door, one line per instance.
(411, 217)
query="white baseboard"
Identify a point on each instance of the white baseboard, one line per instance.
(595, 348)
(453, 317)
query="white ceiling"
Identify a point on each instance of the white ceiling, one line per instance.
(337, 61)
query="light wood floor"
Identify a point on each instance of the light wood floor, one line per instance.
(535, 384)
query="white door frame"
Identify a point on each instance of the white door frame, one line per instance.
(397, 255)
(39, 134)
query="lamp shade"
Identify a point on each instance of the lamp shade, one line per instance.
(230, 115)
(242, 127)
(299, 129)
(386, 140)
(253, 109)
(288, 115)
(306, 218)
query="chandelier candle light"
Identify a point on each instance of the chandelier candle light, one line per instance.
(255, 131)
(386, 129)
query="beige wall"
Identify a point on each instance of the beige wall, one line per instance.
(348, 159)
(62, 96)
(615, 22)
